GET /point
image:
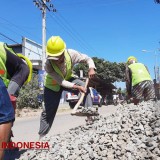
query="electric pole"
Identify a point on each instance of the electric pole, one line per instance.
(43, 33)
(44, 5)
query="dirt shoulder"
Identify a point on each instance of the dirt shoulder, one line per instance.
(30, 112)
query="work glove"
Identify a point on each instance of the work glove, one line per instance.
(13, 100)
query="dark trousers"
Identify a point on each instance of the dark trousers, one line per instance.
(51, 103)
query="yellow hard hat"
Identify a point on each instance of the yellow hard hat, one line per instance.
(133, 58)
(55, 46)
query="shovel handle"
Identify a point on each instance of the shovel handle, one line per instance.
(80, 99)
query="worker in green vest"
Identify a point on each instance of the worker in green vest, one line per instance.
(14, 72)
(138, 81)
(59, 77)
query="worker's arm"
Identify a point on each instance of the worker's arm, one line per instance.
(18, 72)
(78, 57)
(61, 81)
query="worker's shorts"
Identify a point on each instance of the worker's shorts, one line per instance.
(6, 108)
(144, 90)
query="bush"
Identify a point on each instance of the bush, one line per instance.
(28, 94)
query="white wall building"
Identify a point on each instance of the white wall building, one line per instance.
(33, 51)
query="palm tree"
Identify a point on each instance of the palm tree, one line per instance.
(157, 1)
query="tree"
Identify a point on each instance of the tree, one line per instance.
(108, 71)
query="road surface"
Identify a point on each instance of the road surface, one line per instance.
(26, 129)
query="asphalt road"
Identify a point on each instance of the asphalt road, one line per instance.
(26, 129)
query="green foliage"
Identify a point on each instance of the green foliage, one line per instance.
(81, 66)
(119, 91)
(108, 71)
(28, 94)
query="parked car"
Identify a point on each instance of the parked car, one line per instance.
(72, 98)
(96, 97)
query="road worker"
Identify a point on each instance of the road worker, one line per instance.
(138, 81)
(14, 72)
(59, 77)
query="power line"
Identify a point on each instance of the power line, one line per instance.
(65, 28)
(74, 35)
(18, 43)
(12, 24)
(69, 29)
(79, 36)
(44, 5)
(8, 38)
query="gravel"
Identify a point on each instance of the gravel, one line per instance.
(131, 133)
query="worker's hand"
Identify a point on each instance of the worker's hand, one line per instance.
(91, 73)
(13, 100)
(80, 88)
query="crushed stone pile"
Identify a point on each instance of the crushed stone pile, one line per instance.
(131, 133)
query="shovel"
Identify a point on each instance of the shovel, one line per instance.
(80, 99)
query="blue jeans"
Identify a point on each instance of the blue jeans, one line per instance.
(6, 108)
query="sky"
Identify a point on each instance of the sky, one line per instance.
(108, 29)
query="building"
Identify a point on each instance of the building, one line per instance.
(32, 50)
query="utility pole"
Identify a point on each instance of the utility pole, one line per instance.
(43, 33)
(156, 65)
(44, 5)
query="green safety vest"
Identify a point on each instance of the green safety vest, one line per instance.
(3, 71)
(139, 73)
(50, 83)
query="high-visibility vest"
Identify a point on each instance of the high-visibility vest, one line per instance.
(50, 83)
(3, 71)
(139, 73)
